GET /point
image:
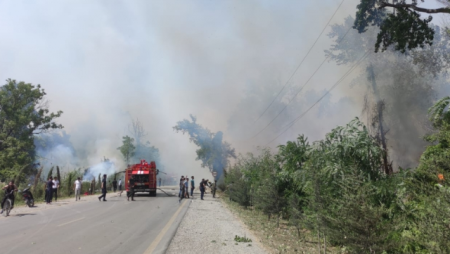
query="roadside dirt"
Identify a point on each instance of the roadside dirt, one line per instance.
(209, 226)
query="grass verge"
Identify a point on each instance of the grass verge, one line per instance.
(282, 239)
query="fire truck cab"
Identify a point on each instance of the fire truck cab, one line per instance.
(144, 175)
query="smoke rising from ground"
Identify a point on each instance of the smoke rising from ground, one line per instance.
(106, 63)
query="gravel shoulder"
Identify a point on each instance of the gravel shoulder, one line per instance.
(208, 225)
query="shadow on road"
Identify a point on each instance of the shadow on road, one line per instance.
(22, 214)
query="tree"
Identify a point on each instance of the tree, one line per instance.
(127, 149)
(400, 87)
(24, 113)
(400, 23)
(213, 151)
(143, 150)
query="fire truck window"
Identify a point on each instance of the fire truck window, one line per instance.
(139, 178)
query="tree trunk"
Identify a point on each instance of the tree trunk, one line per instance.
(318, 237)
(50, 173)
(58, 174)
(380, 107)
(37, 178)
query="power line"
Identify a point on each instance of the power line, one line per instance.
(301, 88)
(298, 66)
(288, 126)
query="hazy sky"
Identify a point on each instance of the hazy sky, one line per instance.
(105, 62)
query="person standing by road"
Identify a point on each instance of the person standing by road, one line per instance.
(181, 189)
(55, 187)
(114, 185)
(192, 186)
(120, 184)
(103, 189)
(130, 193)
(159, 182)
(77, 189)
(186, 187)
(181, 195)
(202, 188)
(49, 191)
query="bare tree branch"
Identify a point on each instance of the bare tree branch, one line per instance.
(414, 7)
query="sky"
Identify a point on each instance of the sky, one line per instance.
(104, 63)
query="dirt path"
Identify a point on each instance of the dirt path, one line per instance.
(209, 226)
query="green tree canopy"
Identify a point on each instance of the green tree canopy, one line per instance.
(213, 151)
(401, 24)
(127, 149)
(24, 113)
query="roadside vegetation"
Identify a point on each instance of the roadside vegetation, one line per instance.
(335, 193)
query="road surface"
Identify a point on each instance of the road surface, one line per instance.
(88, 226)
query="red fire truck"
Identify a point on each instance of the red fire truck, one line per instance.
(144, 175)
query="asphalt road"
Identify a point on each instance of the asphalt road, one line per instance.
(117, 226)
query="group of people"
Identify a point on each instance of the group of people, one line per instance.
(51, 189)
(130, 193)
(116, 184)
(184, 187)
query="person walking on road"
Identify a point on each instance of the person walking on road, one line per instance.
(120, 184)
(202, 188)
(49, 191)
(77, 188)
(55, 187)
(192, 186)
(103, 189)
(114, 185)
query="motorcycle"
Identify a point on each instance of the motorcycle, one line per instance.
(8, 203)
(27, 196)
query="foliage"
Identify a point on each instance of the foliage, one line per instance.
(143, 149)
(268, 191)
(213, 152)
(400, 26)
(24, 113)
(337, 189)
(127, 149)
(242, 239)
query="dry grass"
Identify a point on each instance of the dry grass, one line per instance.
(277, 240)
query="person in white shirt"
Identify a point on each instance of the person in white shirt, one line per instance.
(55, 187)
(77, 188)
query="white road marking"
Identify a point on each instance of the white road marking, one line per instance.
(161, 234)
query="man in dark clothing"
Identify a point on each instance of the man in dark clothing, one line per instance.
(192, 186)
(114, 185)
(103, 189)
(130, 193)
(49, 190)
(202, 188)
(8, 188)
(182, 189)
